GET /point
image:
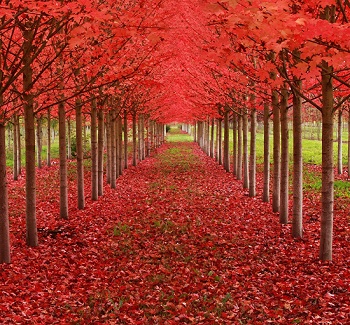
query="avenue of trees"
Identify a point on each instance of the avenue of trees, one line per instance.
(132, 66)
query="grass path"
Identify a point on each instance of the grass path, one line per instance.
(178, 242)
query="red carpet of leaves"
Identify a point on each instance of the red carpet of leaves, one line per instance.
(178, 242)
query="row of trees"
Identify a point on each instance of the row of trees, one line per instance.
(165, 60)
(275, 57)
(64, 60)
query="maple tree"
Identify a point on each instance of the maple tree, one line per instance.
(127, 68)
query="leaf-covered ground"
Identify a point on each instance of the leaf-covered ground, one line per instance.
(178, 242)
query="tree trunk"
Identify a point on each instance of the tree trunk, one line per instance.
(245, 150)
(326, 240)
(113, 149)
(226, 140)
(276, 191)
(349, 144)
(125, 139)
(39, 141)
(220, 141)
(4, 216)
(94, 153)
(234, 136)
(120, 141)
(15, 148)
(69, 139)
(100, 150)
(212, 138)
(80, 154)
(266, 188)
(252, 160)
(28, 100)
(63, 161)
(134, 139)
(48, 153)
(19, 156)
(297, 224)
(239, 147)
(284, 158)
(109, 148)
(340, 142)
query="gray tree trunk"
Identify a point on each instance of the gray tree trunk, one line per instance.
(252, 160)
(266, 187)
(297, 223)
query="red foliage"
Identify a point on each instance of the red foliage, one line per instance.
(177, 242)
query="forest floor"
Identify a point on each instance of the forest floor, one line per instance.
(178, 241)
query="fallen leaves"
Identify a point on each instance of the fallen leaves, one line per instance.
(178, 241)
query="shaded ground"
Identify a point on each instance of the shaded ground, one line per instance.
(179, 241)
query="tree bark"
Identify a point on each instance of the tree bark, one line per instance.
(245, 151)
(94, 152)
(39, 141)
(340, 142)
(48, 153)
(113, 148)
(284, 158)
(326, 240)
(297, 223)
(126, 139)
(252, 160)
(234, 136)
(220, 141)
(19, 156)
(266, 187)
(4, 216)
(15, 148)
(276, 190)
(212, 138)
(63, 161)
(80, 154)
(100, 150)
(239, 147)
(31, 233)
(69, 139)
(134, 139)
(226, 140)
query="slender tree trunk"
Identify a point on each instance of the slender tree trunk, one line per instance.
(109, 148)
(276, 191)
(266, 188)
(4, 215)
(252, 160)
(48, 153)
(69, 139)
(226, 140)
(239, 147)
(134, 139)
(297, 224)
(15, 148)
(220, 141)
(284, 158)
(340, 142)
(94, 152)
(39, 141)
(19, 156)
(80, 155)
(245, 150)
(100, 150)
(349, 144)
(120, 141)
(326, 241)
(125, 139)
(118, 145)
(113, 148)
(31, 234)
(63, 161)
(212, 138)
(234, 136)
